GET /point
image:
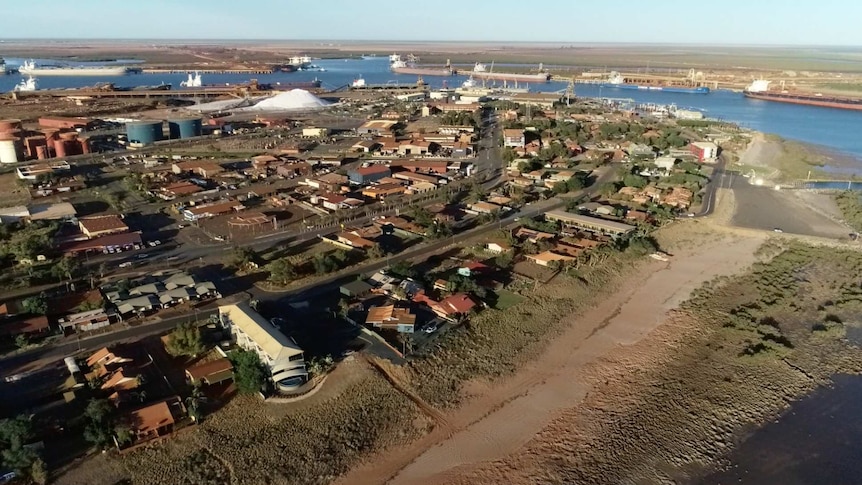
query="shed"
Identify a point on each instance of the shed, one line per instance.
(356, 289)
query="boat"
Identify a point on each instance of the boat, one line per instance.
(31, 69)
(2, 66)
(759, 89)
(369, 57)
(193, 81)
(481, 71)
(26, 85)
(618, 81)
(313, 84)
(358, 83)
(299, 62)
(409, 66)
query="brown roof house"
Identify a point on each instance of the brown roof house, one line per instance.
(102, 225)
(390, 317)
(155, 420)
(209, 373)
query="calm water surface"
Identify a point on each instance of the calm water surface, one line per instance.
(832, 128)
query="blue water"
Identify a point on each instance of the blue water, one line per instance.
(832, 128)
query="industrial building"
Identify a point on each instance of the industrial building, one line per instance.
(704, 150)
(182, 128)
(145, 132)
(369, 174)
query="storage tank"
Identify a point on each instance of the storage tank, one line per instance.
(10, 150)
(9, 125)
(185, 127)
(59, 148)
(145, 132)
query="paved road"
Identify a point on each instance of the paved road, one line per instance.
(720, 178)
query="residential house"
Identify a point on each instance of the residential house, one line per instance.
(454, 306)
(498, 247)
(533, 235)
(314, 132)
(665, 163)
(637, 216)
(547, 257)
(296, 169)
(85, 321)
(485, 208)
(153, 421)
(107, 359)
(388, 145)
(354, 240)
(382, 191)
(421, 187)
(561, 176)
(424, 166)
(209, 373)
(355, 289)
(473, 268)
(35, 325)
(416, 177)
(201, 168)
(280, 354)
(679, 197)
(197, 212)
(93, 227)
(330, 182)
(513, 138)
(366, 146)
(462, 149)
(391, 317)
(420, 147)
(178, 189)
(369, 174)
(377, 127)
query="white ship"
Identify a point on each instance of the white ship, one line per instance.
(394, 58)
(193, 81)
(358, 82)
(31, 69)
(2, 66)
(300, 62)
(26, 85)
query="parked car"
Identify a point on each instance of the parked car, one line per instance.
(430, 328)
(126, 264)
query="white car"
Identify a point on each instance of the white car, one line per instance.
(430, 329)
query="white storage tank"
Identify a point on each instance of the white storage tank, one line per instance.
(10, 151)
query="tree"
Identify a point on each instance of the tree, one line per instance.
(376, 251)
(124, 434)
(249, 373)
(282, 271)
(99, 422)
(402, 269)
(14, 434)
(66, 267)
(193, 403)
(634, 180)
(243, 256)
(343, 307)
(35, 305)
(39, 472)
(21, 341)
(185, 340)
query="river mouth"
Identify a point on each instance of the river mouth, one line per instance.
(818, 440)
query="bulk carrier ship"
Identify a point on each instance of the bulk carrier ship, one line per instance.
(29, 68)
(689, 86)
(398, 65)
(759, 89)
(481, 71)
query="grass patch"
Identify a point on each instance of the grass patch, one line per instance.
(506, 299)
(850, 204)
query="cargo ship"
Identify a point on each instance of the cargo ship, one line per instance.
(299, 62)
(759, 89)
(481, 71)
(279, 86)
(618, 81)
(409, 66)
(29, 68)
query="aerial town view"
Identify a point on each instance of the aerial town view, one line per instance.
(386, 244)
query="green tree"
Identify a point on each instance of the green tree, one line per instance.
(243, 256)
(402, 269)
(375, 252)
(123, 434)
(39, 472)
(193, 403)
(185, 340)
(99, 416)
(282, 271)
(249, 373)
(21, 341)
(634, 180)
(35, 304)
(14, 434)
(66, 267)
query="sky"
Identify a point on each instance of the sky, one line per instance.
(725, 22)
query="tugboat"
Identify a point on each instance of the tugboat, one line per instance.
(27, 85)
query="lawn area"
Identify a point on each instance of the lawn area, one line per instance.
(506, 299)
